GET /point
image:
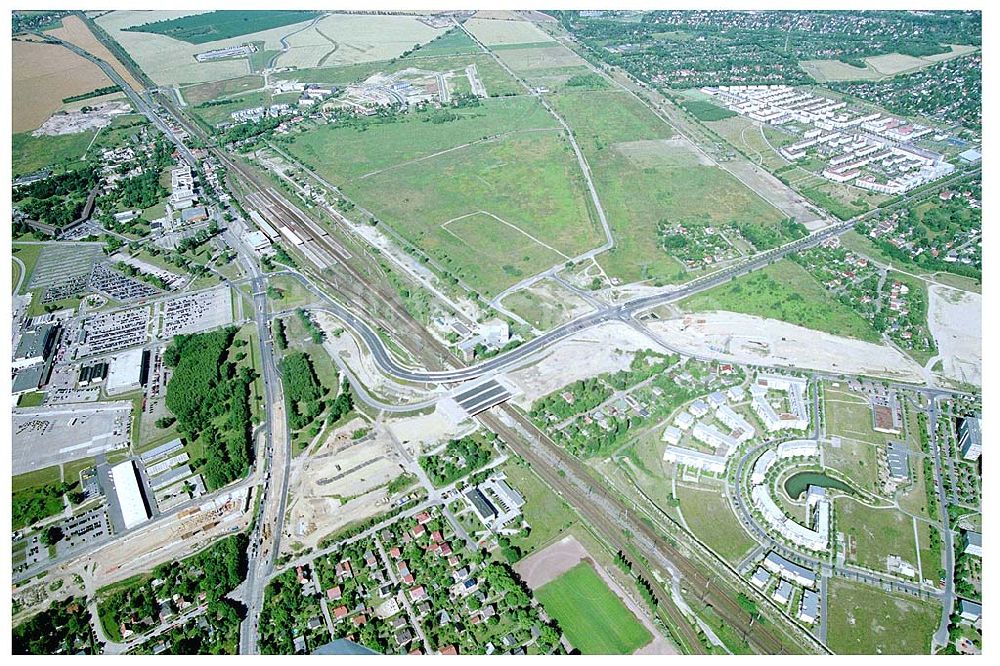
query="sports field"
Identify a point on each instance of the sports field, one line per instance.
(866, 620)
(594, 620)
(784, 291)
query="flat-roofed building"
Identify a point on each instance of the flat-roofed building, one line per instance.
(809, 607)
(760, 578)
(684, 420)
(708, 434)
(34, 346)
(789, 570)
(671, 435)
(133, 505)
(125, 371)
(783, 592)
(973, 543)
(970, 438)
(742, 430)
(762, 466)
(696, 459)
(970, 610)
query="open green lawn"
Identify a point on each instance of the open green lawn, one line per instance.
(866, 620)
(550, 518)
(785, 291)
(849, 415)
(594, 620)
(31, 153)
(877, 533)
(292, 293)
(709, 516)
(492, 213)
(643, 180)
(342, 153)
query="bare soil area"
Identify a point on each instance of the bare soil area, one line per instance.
(341, 482)
(955, 318)
(743, 338)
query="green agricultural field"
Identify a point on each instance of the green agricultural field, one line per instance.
(491, 213)
(339, 153)
(784, 291)
(866, 620)
(453, 42)
(31, 153)
(593, 618)
(223, 24)
(710, 518)
(706, 111)
(205, 92)
(876, 533)
(643, 180)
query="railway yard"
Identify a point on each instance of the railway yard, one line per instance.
(454, 332)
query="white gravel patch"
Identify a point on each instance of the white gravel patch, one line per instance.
(955, 318)
(743, 338)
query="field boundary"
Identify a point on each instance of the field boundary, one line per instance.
(444, 226)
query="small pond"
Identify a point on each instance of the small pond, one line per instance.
(796, 484)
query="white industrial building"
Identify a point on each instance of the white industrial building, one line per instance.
(125, 371)
(130, 499)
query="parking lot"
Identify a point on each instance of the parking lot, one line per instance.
(111, 331)
(200, 311)
(49, 436)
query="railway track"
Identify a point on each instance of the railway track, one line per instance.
(588, 497)
(604, 511)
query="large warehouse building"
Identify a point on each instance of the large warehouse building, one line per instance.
(129, 493)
